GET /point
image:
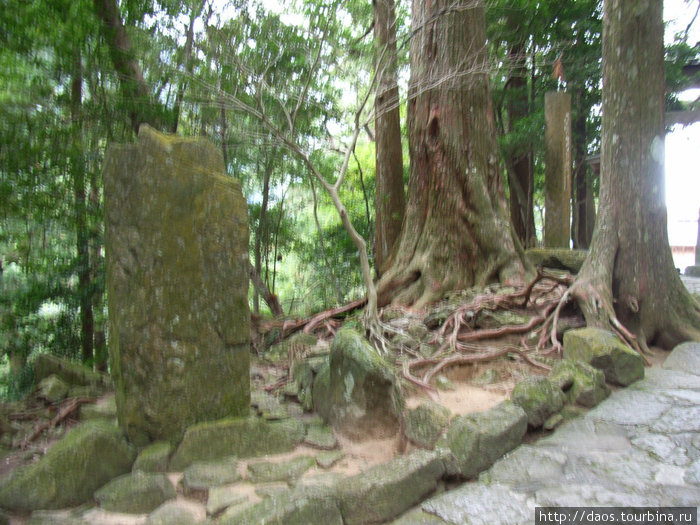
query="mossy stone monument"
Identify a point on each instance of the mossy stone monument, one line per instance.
(176, 239)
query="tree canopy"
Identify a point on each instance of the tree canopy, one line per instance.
(289, 96)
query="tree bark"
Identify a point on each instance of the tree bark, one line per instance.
(583, 219)
(261, 288)
(456, 233)
(629, 274)
(132, 82)
(520, 163)
(390, 202)
(87, 324)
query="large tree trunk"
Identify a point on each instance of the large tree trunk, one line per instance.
(456, 233)
(629, 274)
(390, 203)
(520, 162)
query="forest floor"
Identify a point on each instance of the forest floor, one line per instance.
(476, 373)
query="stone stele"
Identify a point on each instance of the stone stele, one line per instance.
(176, 240)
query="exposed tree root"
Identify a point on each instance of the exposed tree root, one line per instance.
(550, 301)
(64, 412)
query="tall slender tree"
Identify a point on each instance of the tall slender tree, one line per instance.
(390, 203)
(628, 279)
(456, 232)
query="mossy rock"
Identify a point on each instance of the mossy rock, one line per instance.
(329, 458)
(321, 391)
(304, 506)
(221, 498)
(385, 491)
(154, 458)
(289, 471)
(557, 258)
(580, 382)
(498, 318)
(604, 351)
(70, 372)
(105, 409)
(90, 455)
(201, 476)
(135, 493)
(56, 517)
(240, 437)
(297, 345)
(425, 423)
(539, 398)
(173, 513)
(53, 389)
(321, 437)
(476, 441)
(304, 372)
(364, 396)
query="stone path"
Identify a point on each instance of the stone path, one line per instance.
(692, 283)
(640, 447)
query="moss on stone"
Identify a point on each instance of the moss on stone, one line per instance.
(240, 437)
(71, 373)
(557, 258)
(135, 493)
(539, 398)
(53, 389)
(200, 476)
(304, 506)
(154, 458)
(477, 440)
(176, 241)
(89, 456)
(266, 472)
(385, 491)
(604, 350)
(364, 396)
(581, 383)
(425, 423)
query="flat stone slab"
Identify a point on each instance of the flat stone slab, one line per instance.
(265, 472)
(648, 407)
(656, 378)
(684, 358)
(479, 504)
(221, 498)
(240, 437)
(203, 475)
(385, 491)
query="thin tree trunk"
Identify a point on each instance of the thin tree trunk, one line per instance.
(389, 201)
(456, 233)
(79, 195)
(189, 64)
(520, 164)
(629, 275)
(261, 233)
(121, 52)
(270, 299)
(583, 207)
(322, 245)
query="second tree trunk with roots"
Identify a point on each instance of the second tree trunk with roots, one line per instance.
(456, 232)
(629, 275)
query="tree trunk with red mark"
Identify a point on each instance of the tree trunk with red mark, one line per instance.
(457, 232)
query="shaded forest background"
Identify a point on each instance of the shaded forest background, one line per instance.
(200, 66)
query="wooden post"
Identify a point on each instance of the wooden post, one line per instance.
(697, 244)
(557, 221)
